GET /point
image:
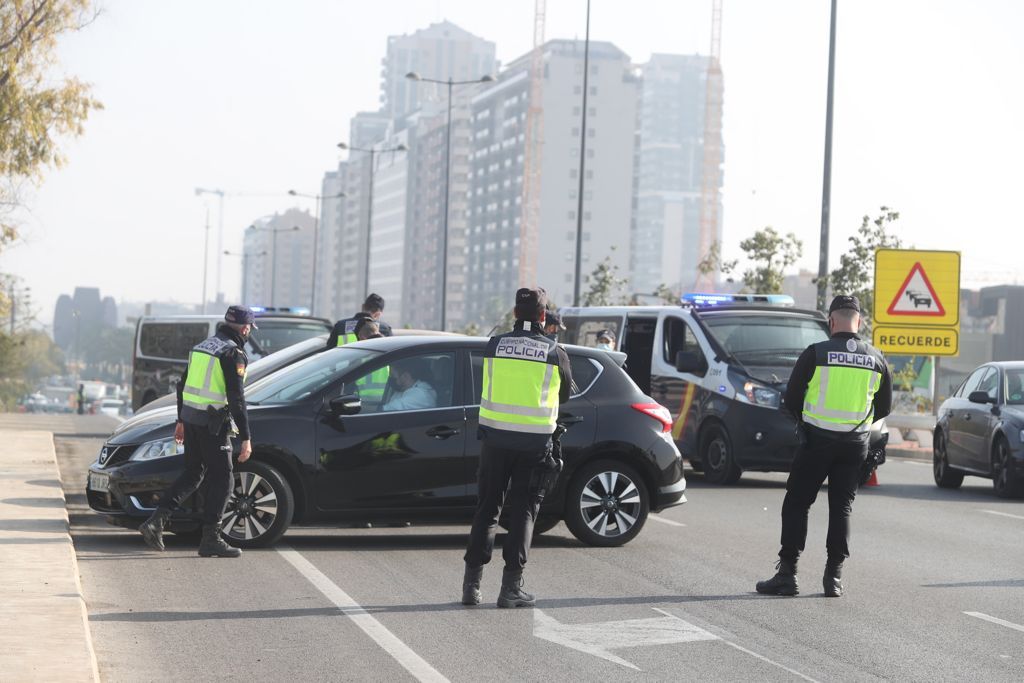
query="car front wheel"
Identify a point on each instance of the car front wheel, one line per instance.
(606, 504)
(945, 477)
(260, 508)
(1003, 485)
(717, 457)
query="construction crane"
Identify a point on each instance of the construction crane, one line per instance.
(529, 223)
(711, 168)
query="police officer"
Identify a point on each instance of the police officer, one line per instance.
(211, 405)
(838, 388)
(344, 331)
(552, 325)
(526, 376)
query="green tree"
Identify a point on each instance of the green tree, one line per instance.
(606, 287)
(856, 272)
(713, 262)
(36, 108)
(770, 254)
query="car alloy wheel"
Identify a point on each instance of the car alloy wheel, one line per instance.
(606, 504)
(1001, 482)
(259, 509)
(945, 476)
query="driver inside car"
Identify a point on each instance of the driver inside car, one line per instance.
(411, 389)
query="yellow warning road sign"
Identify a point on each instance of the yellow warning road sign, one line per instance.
(916, 341)
(914, 287)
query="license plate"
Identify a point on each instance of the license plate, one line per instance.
(99, 482)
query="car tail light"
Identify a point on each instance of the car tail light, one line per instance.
(658, 412)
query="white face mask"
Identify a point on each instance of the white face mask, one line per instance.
(604, 347)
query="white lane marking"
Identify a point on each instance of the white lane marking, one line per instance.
(996, 620)
(599, 638)
(388, 641)
(754, 654)
(663, 520)
(1001, 514)
(768, 661)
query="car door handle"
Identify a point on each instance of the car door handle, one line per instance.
(967, 416)
(442, 432)
(565, 419)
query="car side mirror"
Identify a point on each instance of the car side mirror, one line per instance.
(980, 397)
(349, 404)
(688, 361)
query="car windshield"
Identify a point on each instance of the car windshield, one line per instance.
(1015, 386)
(274, 335)
(259, 369)
(767, 345)
(307, 377)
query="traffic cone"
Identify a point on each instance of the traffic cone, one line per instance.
(873, 479)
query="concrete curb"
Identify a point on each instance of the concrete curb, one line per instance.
(44, 622)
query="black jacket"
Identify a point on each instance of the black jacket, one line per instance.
(233, 363)
(340, 328)
(522, 441)
(803, 371)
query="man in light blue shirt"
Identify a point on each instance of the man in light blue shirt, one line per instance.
(413, 392)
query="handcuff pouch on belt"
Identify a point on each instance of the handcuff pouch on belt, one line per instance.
(544, 479)
(218, 418)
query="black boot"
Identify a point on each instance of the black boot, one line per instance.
(832, 580)
(512, 593)
(153, 528)
(784, 581)
(213, 545)
(471, 585)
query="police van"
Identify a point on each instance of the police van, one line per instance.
(162, 344)
(720, 364)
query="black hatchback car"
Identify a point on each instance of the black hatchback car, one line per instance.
(322, 455)
(980, 430)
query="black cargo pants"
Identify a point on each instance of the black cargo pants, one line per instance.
(503, 470)
(207, 457)
(819, 458)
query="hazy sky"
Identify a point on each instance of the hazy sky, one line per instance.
(252, 95)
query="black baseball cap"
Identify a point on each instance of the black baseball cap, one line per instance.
(374, 302)
(531, 297)
(605, 334)
(241, 315)
(844, 301)
(552, 318)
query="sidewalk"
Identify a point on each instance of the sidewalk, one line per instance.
(44, 628)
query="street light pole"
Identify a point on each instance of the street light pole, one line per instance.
(826, 189)
(447, 180)
(206, 256)
(373, 152)
(583, 148)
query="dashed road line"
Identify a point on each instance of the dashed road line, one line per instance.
(1001, 514)
(996, 620)
(388, 641)
(663, 520)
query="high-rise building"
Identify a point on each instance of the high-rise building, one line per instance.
(330, 253)
(496, 175)
(669, 156)
(441, 51)
(277, 254)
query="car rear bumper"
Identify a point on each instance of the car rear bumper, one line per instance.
(670, 496)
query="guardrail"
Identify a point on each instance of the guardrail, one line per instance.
(910, 421)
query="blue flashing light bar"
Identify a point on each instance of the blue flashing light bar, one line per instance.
(294, 310)
(694, 299)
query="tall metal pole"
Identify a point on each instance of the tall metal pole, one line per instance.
(826, 190)
(316, 256)
(369, 223)
(273, 269)
(220, 239)
(447, 191)
(206, 256)
(583, 152)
